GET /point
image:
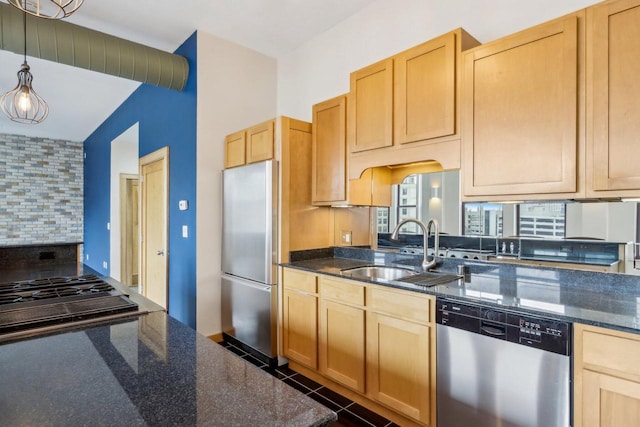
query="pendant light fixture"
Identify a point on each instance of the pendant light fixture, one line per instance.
(23, 104)
(50, 9)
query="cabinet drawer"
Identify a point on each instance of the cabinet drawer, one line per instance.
(341, 290)
(306, 282)
(399, 304)
(610, 349)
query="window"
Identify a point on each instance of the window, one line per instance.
(482, 219)
(408, 204)
(383, 220)
(541, 220)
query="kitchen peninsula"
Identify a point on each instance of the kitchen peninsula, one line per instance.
(146, 369)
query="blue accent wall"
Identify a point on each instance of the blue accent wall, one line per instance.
(166, 118)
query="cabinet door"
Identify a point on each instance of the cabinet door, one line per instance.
(613, 70)
(341, 347)
(398, 365)
(329, 151)
(425, 93)
(234, 149)
(260, 142)
(520, 117)
(371, 107)
(609, 401)
(300, 326)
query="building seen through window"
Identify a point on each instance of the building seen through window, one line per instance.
(541, 220)
(482, 219)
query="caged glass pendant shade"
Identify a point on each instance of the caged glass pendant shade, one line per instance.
(50, 9)
(23, 104)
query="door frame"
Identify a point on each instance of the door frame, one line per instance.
(126, 273)
(161, 154)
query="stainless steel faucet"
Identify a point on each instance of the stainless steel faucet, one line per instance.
(426, 265)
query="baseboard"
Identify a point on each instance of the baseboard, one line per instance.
(216, 337)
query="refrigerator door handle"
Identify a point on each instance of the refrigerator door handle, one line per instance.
(258, 286)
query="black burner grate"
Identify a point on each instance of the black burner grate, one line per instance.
(29, 317)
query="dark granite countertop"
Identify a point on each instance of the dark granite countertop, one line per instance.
(145, 370)
(603, 299)
(151, 370)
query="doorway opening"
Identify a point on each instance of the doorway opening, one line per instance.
(124, 161)
(129, 229)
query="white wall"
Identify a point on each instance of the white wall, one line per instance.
(236, 89)
(614, 222)
(124, 159)
(319, 69)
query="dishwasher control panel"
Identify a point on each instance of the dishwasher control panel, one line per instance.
(520, 328)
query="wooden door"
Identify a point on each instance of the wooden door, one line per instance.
(520, 113)
(425, 95)
(371, 107)
(154, 173)
(398, 365)
(129, 229)
(329, 151)
(234, 149)
(300, 327)
(613, 67)
(260, 142)
(610, 401)
(341, 344)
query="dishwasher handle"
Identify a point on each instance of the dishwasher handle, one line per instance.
(493, 331)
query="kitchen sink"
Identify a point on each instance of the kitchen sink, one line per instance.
(379, 273)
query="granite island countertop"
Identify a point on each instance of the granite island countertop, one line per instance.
(145, 370)
(152, 370)
(609, 300)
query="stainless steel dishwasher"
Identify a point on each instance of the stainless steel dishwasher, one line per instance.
(501, 368)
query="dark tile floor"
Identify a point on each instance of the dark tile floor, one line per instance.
(350, 414)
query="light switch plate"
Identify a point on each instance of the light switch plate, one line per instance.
(185, 231)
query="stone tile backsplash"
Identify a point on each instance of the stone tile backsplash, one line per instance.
(41, 190)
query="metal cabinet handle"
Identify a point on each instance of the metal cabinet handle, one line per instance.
(160, 252)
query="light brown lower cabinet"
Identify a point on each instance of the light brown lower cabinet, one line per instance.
(398, 365)
(374, 344)
(341, 343)
(606, 377)
(300, 318)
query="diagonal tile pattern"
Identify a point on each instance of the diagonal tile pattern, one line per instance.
(350, 414)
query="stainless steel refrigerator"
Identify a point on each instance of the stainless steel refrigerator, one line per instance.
(249, 279)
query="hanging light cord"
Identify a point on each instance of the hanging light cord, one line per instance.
(24, 29)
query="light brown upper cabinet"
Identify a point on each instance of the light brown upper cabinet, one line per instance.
(329, 164)
(234, 149)
(260, 142)
(371, 107)
(613, 99)
(403, 109)
(251, 145)
(425, 97)
(521, 113)
(330, 183)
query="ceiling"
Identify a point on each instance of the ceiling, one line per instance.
(80, 100)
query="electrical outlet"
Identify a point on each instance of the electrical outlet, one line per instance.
(346, 237)
(185, 231)
(105, 265)
(87, 257)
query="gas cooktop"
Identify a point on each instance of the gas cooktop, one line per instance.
(32, 306)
